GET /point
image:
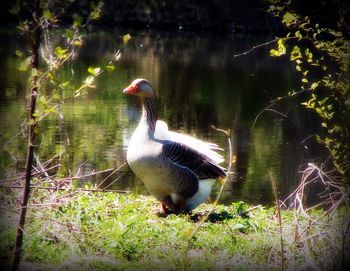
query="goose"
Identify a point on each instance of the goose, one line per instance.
(177, 169)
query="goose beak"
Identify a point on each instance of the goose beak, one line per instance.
(132, 89)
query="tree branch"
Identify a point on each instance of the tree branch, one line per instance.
(31, 139)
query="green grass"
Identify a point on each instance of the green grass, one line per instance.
(109, 231)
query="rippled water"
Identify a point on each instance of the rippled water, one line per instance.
(199, 84)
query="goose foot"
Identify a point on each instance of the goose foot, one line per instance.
(163, 210)
(178, 208)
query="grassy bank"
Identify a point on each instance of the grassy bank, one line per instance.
(109, 231)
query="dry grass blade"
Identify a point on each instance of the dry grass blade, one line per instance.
(311, 231)
(205, 218)
(277, 202)
(332, 195)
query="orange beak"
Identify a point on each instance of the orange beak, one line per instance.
(132, 89)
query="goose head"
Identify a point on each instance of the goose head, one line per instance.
(140, 87)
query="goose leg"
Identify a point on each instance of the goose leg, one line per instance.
(163, 209)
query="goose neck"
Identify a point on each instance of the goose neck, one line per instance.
(149, 113)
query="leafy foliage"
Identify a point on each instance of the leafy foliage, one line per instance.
(37, 18)
(55, 85)
(321, 56)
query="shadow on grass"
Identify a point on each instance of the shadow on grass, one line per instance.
(213, 217)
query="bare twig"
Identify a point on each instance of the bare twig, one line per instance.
(22, 175)
(109, 175)
(223, 181)
(83, 176)
(43, 170)
(265, 44)
(256, 47)
(268, 108)
(248, 210)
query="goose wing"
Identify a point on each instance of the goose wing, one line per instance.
(205, 148)
(184, 156)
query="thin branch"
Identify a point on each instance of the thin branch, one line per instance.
(223, 182)
(243, 213)
(256, 47)
(36, 173)
(267, 109)
(265, 44)
(83, 176)
(31, 139)
(114, 171)
(114, 181)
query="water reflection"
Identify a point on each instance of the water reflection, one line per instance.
(198, 84)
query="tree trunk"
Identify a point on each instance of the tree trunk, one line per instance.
(36, 34)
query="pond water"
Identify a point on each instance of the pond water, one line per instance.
(199, 84)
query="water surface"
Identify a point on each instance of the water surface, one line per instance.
(199, 84)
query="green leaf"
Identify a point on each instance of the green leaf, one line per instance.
(314, 86)
(295, 54)
(274, 52)
(78, 43)
(65, 85)
(94, 71)
(126, 38)
(23, 25)
(50, 110)
(30, 122)
(298, 35)
(281, 47)
(337, 34)
(319, 111)
(95, 11)
(24, 65)
(61, 53)
(89, 80)
(19, 53)
(110, 68)
(48, 14)
(328, 141)
(69, 34)
(318, 138)
(288, 18)
(78, 21)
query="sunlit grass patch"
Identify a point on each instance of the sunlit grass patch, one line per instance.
(110, 231)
